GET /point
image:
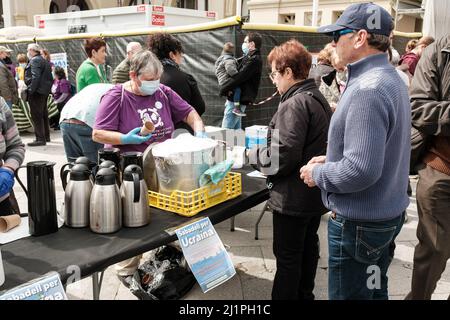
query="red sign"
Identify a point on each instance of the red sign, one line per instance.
(41, 24)
(141, 8)
(158, 8)
(158, 20)
(211, 14)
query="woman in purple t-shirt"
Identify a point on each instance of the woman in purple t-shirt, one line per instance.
(123, 109)
(61, 94)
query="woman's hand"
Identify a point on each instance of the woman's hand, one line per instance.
(133, 137)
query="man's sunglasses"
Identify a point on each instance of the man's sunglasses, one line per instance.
(338, 34)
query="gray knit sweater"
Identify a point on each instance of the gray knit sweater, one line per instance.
(12, 150)
(365, 176)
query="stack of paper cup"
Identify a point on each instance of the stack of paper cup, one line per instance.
(9, 222)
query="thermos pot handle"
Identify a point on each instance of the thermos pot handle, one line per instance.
(64, 178)
(16, 173)
(137, 189)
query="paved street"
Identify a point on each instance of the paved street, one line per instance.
(253, 259)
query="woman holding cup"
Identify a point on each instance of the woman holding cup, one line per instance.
(142, 102)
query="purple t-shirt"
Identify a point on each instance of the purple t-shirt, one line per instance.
(59, 87)
(164, 108)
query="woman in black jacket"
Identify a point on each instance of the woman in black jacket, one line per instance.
(168, 49)
(297, 132)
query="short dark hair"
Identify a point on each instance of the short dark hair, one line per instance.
(228, 47)
(93, 44)
(256, 38)
(291, 54)
(161, 44)
(60, 72)
(378, 41)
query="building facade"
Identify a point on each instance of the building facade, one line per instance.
(22, 12)
(408, 13)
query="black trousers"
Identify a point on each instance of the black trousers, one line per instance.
(5, 208)
(296, 248)
(39, 115)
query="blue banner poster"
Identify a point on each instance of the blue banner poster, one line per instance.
(205, 254)
(48, 287)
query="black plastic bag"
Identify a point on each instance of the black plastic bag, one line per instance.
(165, 276)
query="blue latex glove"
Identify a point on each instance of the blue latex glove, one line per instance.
(201, 134)
(6, 181)
(133, 137)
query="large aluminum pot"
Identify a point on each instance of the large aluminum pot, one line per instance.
(181, 161)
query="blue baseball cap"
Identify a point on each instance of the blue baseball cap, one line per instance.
(362, 16)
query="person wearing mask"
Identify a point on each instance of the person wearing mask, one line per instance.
(121, 73)
(297, 132)
(12, 154)
(364, 175)
(247, 78)
(92, 70)
(39, 81)
(324, 65)
(412, 58)
(123, 109)
(9, 63)
(8, 86)
(20, 69)
(169, 51)
(430, 105)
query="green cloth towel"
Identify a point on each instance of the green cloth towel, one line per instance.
(216, 173)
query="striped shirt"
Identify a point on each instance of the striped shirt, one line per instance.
(12, 150)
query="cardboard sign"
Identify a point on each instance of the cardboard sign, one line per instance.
(205, 254)
(60, 60)
(48, 287)
(158, 20)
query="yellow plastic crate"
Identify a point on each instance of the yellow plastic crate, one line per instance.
(190, 203)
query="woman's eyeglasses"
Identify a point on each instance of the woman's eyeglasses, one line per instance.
(272, 75)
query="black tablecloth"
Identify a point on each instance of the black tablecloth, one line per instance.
(32, 257)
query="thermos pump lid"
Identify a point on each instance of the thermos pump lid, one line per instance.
(129, 170)
(105, 177)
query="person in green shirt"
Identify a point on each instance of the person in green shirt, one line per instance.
(92, 69)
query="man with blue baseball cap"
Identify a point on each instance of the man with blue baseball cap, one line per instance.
(364, 176)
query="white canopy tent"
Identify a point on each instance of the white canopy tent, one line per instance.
(20, 32)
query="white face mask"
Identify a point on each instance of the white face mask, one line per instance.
(29, 56)
(149, 87)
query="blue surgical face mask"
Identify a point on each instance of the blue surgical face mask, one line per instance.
(149, 87)
(245, 48)
(23, 65)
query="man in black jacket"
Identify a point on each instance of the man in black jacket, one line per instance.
(39, 80)
(248, 78)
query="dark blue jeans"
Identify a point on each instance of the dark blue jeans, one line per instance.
(78, 142)
(359, 257)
